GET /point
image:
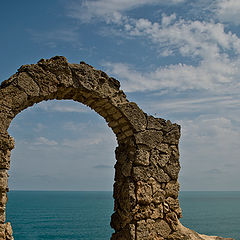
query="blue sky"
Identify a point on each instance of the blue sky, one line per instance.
(177, 59)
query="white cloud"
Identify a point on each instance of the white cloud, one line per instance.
(189, 38)
(218, 76)
(109, 10)
(45, 141)
(197, 104)
(131, 80)
(228, 11)
(216, 53)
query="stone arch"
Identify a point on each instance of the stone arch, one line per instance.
(146, 172)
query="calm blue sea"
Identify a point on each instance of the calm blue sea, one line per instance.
(59, 215)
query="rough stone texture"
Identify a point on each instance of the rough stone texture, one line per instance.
(146, 184)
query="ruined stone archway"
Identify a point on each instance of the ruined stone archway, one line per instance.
(146, 172)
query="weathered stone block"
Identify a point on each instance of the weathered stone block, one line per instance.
(3, 198)
(2, 215)
(158, 192)
(122, 121)
(174, 205)
(112, 111)
(162, 228)
(6, 142)
(26, 83)
(134, 114)
(5, 157)
(141, 212)
(60, 68)
(172, 189)
(142, 157)
(172, 169)
(159, 159)
(144, 229)
(15, 99)
(174, 151)
(159, 196)
(3, 179)
(151, 211)
(46, 81)
(141, 173)
(163, 148)
(153, 123)
(113, 124)
(126, 169)
(173, 136)
(150, 138)
(144, 193)
(127, 198)
(150, 229)
(128, 133)
(125, 128)
(117, 116)
(158, 212)
(161, 124)
(5, 120)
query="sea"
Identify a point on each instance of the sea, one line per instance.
(83, 215)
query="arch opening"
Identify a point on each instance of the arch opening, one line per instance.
(78, 142)
(66, 143)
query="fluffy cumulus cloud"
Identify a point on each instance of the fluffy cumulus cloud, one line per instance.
(189, 38)
(213, 51)
(228, 11)
(181, 77)
(216, 54)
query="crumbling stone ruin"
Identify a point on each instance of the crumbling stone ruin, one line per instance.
(146, 171)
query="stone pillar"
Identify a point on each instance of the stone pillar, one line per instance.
(124, 193)
(146, 182)
(6, 145)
